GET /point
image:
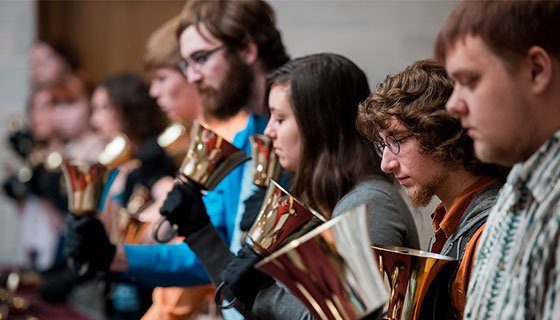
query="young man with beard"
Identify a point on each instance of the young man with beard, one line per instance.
(429, 154)
(228, 47)
(505, 60)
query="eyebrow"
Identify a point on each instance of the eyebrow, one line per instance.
(396, 132)
(462, 73)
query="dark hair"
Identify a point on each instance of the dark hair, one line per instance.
(235, 22)
(65, 52)
(508, 28)
(325, 90)
(141, 116)
(416, 97)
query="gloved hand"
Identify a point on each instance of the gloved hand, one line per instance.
(15, 189)
(155, 164)
(243, 279)
(21, 142)
(252, 208)
(87, 242)
(184, 207)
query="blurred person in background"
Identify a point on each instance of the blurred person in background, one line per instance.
(51, 63)
(230, 73)
(122, 104)
(35, 186)
(71, 120)
(180, 100)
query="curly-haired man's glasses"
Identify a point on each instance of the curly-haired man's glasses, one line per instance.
(394, 144)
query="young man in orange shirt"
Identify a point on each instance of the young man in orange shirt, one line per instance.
(429, 154)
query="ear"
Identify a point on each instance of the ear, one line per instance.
(249, 53)
(540, 65)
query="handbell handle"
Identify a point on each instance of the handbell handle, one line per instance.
(218, 300)
(170, 235)
(174, 227)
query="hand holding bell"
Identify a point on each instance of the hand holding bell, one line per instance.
(243, 279)
(87, 245)
(209, 159)
(184, 208)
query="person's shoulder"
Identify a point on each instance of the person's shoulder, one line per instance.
(375, 190)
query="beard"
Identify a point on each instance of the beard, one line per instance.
(424, 194)
(232, 94)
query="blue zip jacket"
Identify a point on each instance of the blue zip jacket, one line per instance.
(176, 265)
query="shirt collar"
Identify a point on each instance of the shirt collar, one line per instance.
(542, 166)
(449, 220)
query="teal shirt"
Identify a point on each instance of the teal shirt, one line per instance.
(164, 265)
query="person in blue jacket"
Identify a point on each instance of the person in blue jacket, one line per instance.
(228, 63)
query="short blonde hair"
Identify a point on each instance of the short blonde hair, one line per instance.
(162, 48)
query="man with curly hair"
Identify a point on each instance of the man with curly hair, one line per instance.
(429, 154)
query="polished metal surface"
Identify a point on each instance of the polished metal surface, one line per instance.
(209, 159)
(332, 269)
(265, 162)
(85, 184)
(174, 140)
(282, 218)
(116, 152)
(408, 274)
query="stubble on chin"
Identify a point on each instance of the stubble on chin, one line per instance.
(425, 193)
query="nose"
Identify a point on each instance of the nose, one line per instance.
(193, 76)
(389, 162)
(269, 130)
(456, 104)
(154, 89)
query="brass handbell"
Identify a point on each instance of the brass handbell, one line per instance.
(117, 152)
(85, 184)
(332, 269)
(174, 141)
(209, 159)
(409, 274)
(282, 218)
(266, 166)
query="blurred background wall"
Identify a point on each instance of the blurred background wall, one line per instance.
(108, 36)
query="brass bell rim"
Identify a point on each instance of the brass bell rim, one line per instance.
(412, 252)
(308, 236)
(314, 212)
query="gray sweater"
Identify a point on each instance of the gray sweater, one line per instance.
(390, 223)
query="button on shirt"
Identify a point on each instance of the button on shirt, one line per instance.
(517, 269)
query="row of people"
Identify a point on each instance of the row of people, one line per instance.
(322, 116)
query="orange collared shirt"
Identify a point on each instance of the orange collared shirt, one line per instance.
(445, 223)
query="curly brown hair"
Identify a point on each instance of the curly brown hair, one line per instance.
(416, 97)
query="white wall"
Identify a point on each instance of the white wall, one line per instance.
(17, 30)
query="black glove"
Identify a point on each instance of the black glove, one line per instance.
(155, 164)
(184, 208)
(253, 206)
(21, 142)
(86, 242)
(243, 279)
(15, 189)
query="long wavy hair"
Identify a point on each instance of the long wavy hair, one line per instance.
(325, 91)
